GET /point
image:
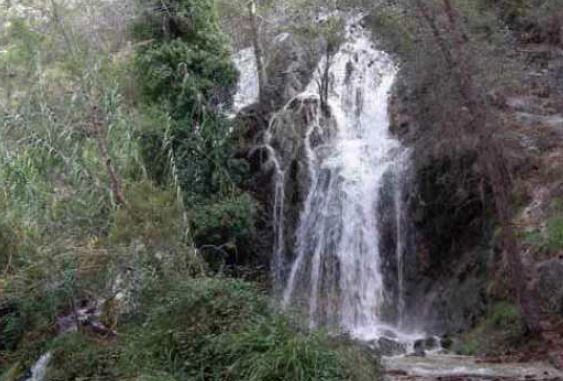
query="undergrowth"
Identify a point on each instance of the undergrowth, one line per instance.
(207, 329)
(501, 331)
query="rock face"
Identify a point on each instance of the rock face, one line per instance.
(550, 285)
(292, 132)
(450, 247)
(290, 69)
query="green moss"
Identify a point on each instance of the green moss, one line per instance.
(506, 317)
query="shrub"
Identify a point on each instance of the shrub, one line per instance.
(184, 76)
(187, 61)
(217, 223)
(211, 329)
(506, 317)
(179, 318)
(153, 215)
(272, 349)
(500, 331)
(79, 356)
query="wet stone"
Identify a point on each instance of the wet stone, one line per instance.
(419, 348)
(390, 347)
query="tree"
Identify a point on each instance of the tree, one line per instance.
(184, 59)
(183, 65)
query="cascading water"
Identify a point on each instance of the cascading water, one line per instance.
(39, 369)
(333, 272)
(247, 89)
(337, 268)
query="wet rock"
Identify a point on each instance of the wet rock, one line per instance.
(431, 343)
(422, 346)
(446, 342)
(290, 69)
(88, 316)
(419, 349)
(390, 347)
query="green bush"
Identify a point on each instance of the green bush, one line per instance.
(217, 329)
(153, 215)
(500, 331)
(550, 238)
(187, 61)
(180, 318)
(226, 220)
(506, 317)
(184, 76)
(26, 325)
(272, 349)
(79, 356)
(184, 67)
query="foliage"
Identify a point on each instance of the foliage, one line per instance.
(186, 61)
(500, 331)
(228, 219)
(393, 32)
(554, 230)
(210, 329)
(79, 356)
(549, 238)
(153, 215)
(271, 350)
(185, 77)
(205, 329)
(186, 73)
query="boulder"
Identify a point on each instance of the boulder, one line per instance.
(419, 349)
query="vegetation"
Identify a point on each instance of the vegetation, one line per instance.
(121, 190)
(206, 329)
(500, 331)
(121, 194)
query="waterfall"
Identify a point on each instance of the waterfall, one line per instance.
(247, 89)
(330, 266)
(336, 273)
(39, 369)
